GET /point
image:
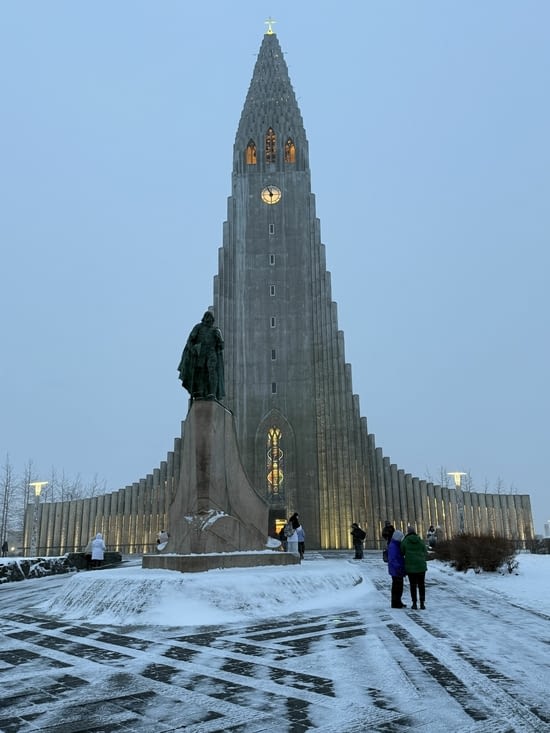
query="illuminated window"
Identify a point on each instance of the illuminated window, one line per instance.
(270, 146)
(274, 462)
(290, 151)
(250, 155)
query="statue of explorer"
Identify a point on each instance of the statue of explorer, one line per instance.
(201, 365)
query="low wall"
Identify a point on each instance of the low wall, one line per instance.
(201, 563)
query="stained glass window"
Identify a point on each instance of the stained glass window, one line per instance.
(274, 463)
(270, 146)
(290, 151)
(250, 155)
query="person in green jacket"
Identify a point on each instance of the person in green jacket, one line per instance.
(413, 549)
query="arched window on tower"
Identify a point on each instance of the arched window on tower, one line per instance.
(290, 151)
(270, 146)
(250, 154)
(274, 462)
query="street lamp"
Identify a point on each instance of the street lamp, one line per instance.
(457, 477)
(37, 486)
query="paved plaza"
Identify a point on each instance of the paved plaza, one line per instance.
(362, 669)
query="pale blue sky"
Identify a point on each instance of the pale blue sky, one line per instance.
(428, 125)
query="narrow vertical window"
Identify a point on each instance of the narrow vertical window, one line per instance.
(290, 151)
(273, 387)
(270, 146)
(250, 154)
(272, 228)
(272, 290)
(274, 459)
(273, 355)
(273, 321)
(271, 259)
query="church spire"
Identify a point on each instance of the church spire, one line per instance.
(270, 119)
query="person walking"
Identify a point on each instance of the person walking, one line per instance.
(4, 548)
(301, 541)
(358, 535)
(88, 554)
(396, 568)
(414, 551)
(98, 551)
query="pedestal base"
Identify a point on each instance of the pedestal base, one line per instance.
(201, 563)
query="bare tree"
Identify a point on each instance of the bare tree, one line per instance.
(444, 478)
(7, 490)
(96, 487)
(468, 482)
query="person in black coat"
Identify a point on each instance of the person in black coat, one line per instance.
(294, 520)
(358, 535)
(282, 537)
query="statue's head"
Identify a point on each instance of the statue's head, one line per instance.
(208, 318)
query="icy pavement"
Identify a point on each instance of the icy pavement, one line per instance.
(331, 655)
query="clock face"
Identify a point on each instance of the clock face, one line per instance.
(271, 194)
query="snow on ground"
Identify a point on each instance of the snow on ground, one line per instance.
(132, 595)
(258, 649)
(136, 596)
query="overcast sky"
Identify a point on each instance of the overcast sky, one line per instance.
(429, 149)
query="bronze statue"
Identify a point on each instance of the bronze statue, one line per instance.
(201, 365)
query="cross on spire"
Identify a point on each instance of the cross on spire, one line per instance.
(269, 23)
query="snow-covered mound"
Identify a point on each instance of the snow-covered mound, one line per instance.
(134, 596)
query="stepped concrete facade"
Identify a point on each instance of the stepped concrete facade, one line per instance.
(303, 443)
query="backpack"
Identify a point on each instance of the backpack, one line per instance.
(361, 534)
(289, 530)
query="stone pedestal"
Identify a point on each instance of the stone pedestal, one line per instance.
(215, 508)
(202, 563)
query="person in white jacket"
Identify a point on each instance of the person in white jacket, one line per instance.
(292, 542)
(98, 551)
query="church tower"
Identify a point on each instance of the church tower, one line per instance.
(302, 441)
(287, 383)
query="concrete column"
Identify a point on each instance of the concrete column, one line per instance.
(57, 509)
(69, 543)
(484, 527)
(127, 531)
(381, 491)
(42, 522)
(86, 528)
(396, 504)
(431, 508)
(99, 523)
(417, 504)
(133, 534)
(402, 500)
(410, 499)
(423, 519)
(474, 503)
